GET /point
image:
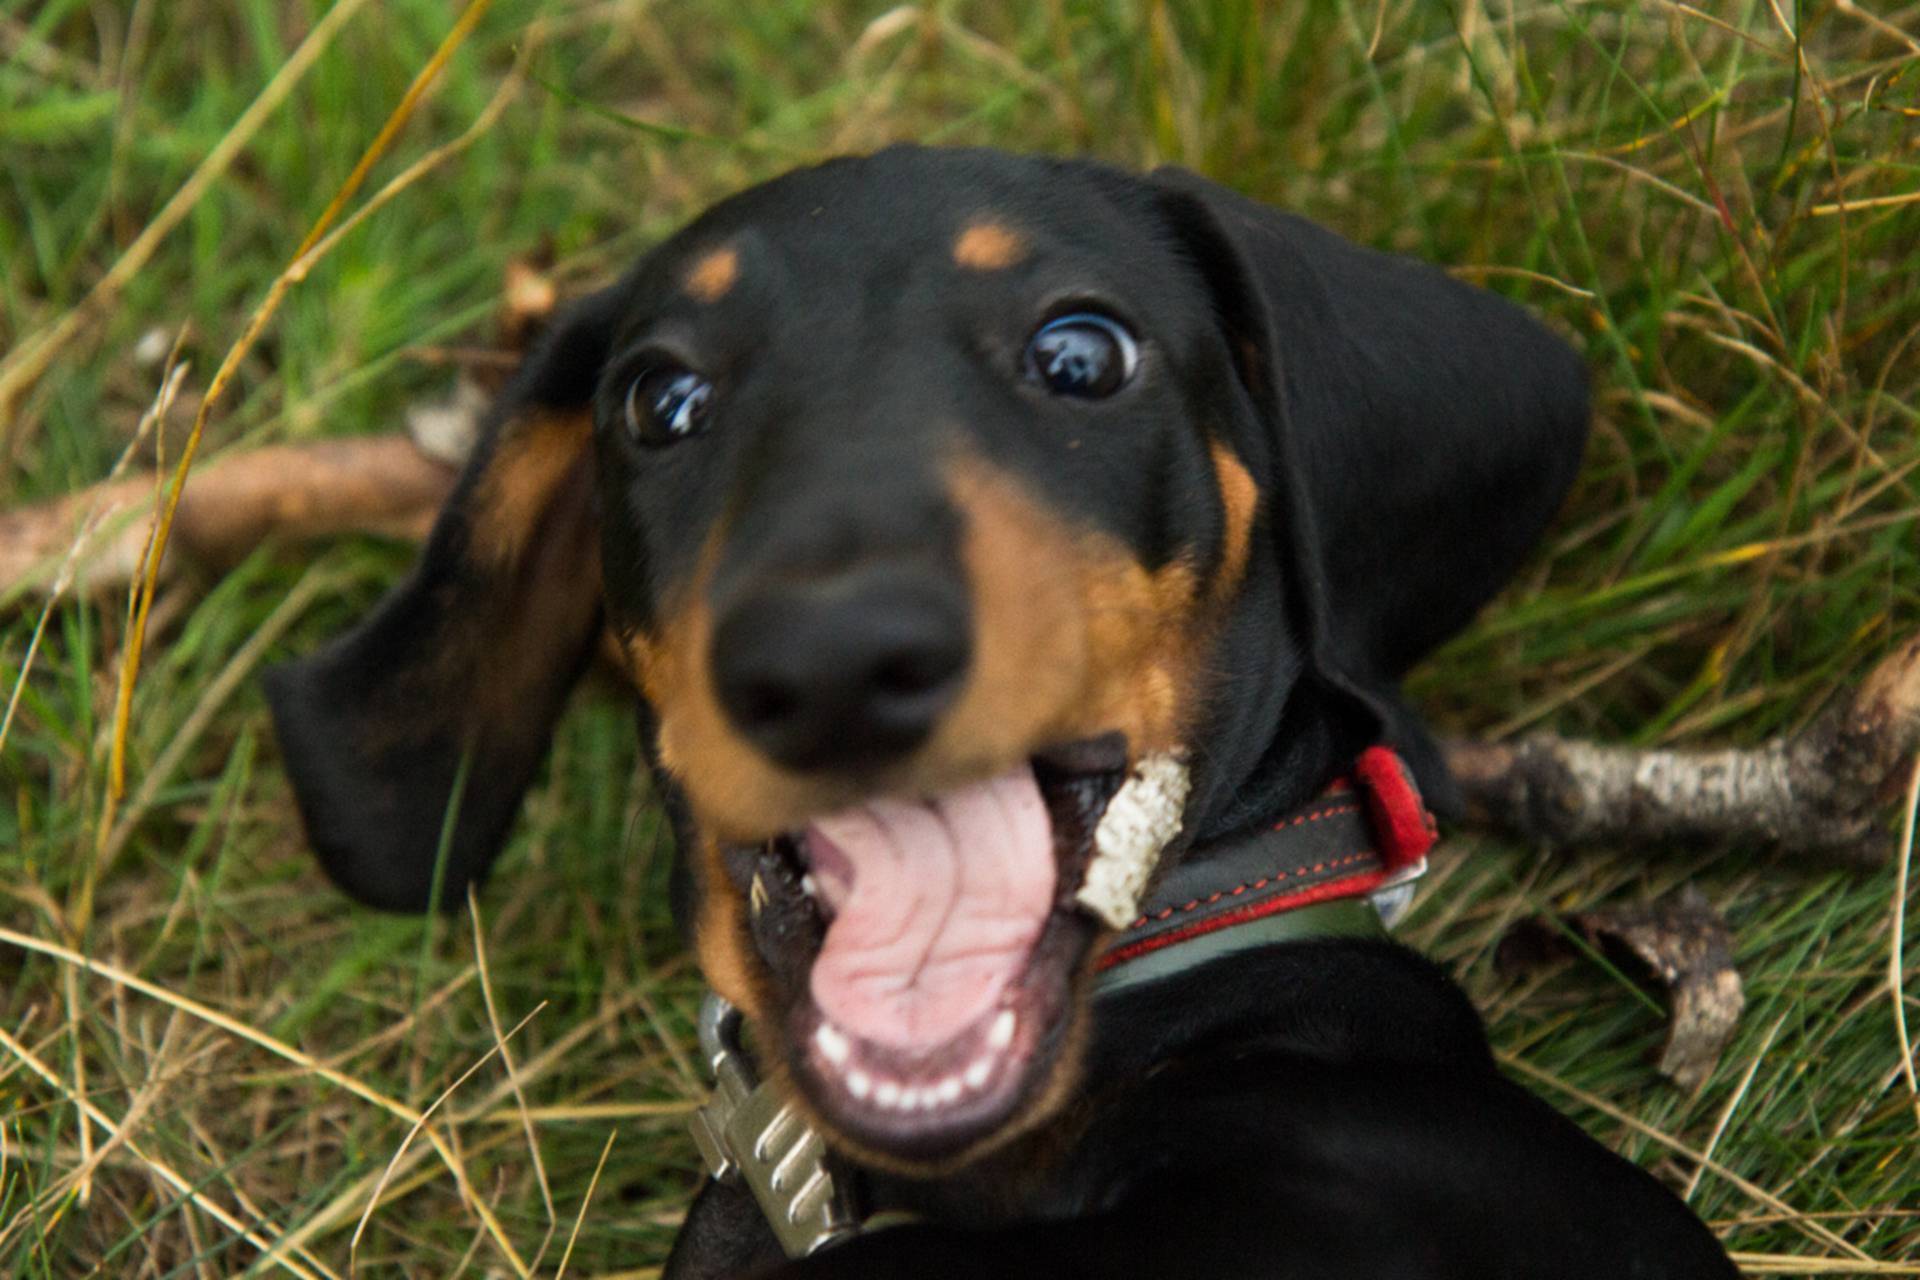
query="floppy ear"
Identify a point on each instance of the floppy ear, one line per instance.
(1419, 434)
(469, 661)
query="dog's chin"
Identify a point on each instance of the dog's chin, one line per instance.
(924, 954)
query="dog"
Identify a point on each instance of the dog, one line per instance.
(1016, 559)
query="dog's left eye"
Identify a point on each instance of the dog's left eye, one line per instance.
(668, 403)
(1083, 355)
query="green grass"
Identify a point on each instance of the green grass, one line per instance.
(1654, 181)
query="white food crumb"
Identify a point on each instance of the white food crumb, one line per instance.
(1142, 819)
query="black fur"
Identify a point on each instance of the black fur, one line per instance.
(1324, 1109)
(1320, 1110)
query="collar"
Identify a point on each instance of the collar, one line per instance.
(1298, 876)
(1341, 865)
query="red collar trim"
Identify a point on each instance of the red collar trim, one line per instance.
(1367, 831)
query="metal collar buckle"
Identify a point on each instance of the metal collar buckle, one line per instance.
(748, 1133)
(1394, 895)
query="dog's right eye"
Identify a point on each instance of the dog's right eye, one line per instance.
(1085, 356)
(668, 403)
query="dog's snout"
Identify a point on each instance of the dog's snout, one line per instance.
(847, 671)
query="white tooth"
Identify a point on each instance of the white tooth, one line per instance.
(949, 1091)
(976, 1075)
(833, 1045)
(1000, 1035)
(887, 1094)
(859, 1084)
(1141, 820)
(809, 886)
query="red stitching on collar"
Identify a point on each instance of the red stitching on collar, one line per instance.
(1281, 873)
(1299, 818)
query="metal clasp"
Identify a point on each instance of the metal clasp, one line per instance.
(747, 1133)
(1394, 895)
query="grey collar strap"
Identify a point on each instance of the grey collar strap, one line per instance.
(1348, 918)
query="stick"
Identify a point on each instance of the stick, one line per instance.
(1821, 791)
(374, 484)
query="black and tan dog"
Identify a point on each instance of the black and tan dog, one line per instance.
(935, 499)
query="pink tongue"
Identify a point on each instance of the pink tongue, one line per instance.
(936, 907)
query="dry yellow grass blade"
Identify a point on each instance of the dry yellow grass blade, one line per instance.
(90, 525)
(399, 1188)
(401, 1028)
(586, 1111)
(238, 669)
(1896, 950)
(566, 1254)
(70, 991)
(489, 116)
(280, 1049)
(1866, 202)
(315, 1270)
(513, 1077)
(256, 324)
(373, 1201)
(343, 1208)
(1733, 1104)
(1878, 23)
(1788, 1264)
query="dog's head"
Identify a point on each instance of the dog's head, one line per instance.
(928, 496)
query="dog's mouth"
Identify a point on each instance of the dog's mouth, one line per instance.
(925, 949)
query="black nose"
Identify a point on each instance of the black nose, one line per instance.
(846, 671)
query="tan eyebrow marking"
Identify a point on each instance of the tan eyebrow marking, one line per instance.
(713, 273)
(986, 245)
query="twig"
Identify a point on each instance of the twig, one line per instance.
(369, 484)
(1820, 791)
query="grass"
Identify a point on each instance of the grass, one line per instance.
(1720, 205)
